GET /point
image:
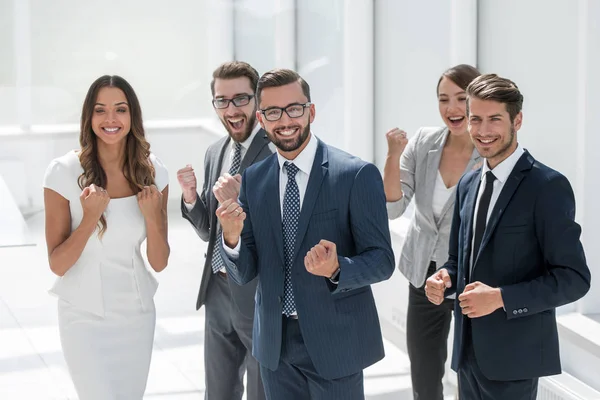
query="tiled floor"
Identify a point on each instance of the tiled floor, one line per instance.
(31, 363)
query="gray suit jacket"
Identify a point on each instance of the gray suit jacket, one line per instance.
(418, 171)
(204, 220)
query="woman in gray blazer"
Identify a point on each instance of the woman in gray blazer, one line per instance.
(428, 167)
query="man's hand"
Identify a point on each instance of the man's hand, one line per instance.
(227, 187)
(322, 259)
(231, 217)
(479, 300)
(187, 180)
(436, 286)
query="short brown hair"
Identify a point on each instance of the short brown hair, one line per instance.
(232, 70)
(461, 75)
(492, 87)
(281, 77)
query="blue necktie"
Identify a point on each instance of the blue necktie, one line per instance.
(217, 261)
(291, 213)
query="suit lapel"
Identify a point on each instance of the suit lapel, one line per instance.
(272, 204)
(258, 143)
(318, 171)
(215, 173)
(474, 163)
(470, 211)
(508, 190)
(433, 165)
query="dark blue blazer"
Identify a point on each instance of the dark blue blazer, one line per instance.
(532, 252)
(345, 204)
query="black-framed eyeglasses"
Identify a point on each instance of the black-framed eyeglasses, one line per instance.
(238, 101)
(295, 110)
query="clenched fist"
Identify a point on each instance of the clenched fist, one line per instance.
(227, 187)
(231, 217)
(397, 142)
(436, 285)
(187, 180)
(94, 200)
(150, 201)
(322, 259)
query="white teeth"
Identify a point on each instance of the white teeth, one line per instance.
(235, 121)
(288, 132)
(455, 119)
(486, 141)
(111, 129)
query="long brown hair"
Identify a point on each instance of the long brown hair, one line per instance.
(137, 167)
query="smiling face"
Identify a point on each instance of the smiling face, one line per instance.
(111, 119)
(452, 102)
(289, 135)
(238, 121)
(492, 131)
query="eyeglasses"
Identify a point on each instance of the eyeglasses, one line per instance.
(237, 101)
(295, 110)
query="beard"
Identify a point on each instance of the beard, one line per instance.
(241, 137)
(508, 146)
(290, 144)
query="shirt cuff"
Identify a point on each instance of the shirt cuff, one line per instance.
(335, 278)
(232, 253)
(189, 206)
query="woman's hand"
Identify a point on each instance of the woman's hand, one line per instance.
(397, 142)
(94, 200)
(150, 202)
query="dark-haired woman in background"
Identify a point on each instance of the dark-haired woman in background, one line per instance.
(102, 201)
(428, 167)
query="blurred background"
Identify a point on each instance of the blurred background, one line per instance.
(371, 64)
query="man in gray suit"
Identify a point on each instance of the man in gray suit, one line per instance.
(229, 307)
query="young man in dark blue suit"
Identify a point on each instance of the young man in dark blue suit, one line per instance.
(314, 229)
(515, 255)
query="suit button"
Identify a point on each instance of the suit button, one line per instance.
(520, 311)
(515, 312)
(525, 310)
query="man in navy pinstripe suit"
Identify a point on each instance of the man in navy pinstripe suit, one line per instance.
(314, 229)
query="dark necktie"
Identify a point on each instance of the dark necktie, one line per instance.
(482, 212)
(291, 213)
(236, 160)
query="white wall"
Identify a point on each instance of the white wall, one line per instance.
(410, 55)
(320, 44)
(8, 109)
(255, 33)
(159, 48)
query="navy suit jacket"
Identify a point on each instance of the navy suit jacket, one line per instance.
(345, 204)
(532, 252)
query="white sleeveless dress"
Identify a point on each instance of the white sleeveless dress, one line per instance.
(106, 313)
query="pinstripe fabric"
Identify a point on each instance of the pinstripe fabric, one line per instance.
(344, 203)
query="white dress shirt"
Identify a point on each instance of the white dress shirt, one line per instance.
(304, 162)
(502, 171)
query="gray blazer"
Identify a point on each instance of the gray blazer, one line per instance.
(418, 172)
(204, 220)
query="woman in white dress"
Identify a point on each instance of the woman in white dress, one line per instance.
(102, 201)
